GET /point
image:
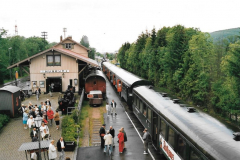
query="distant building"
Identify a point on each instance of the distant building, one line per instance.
(59, 66)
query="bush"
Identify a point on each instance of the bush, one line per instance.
(69, 129)
(3, 120)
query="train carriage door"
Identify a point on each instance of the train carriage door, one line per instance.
(155, 129)
(119, 85)
(108, 75)
(114, 79)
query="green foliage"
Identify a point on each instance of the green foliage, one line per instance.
(84, 41)
(69, 129)
(3, 120)
(225, 34)
(187, 62)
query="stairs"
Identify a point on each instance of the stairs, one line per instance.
(95, 138)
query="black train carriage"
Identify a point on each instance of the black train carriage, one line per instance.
(68, 100)
(95, 87)
(183, 132)
(123, 81)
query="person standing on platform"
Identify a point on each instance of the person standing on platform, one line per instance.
(61, 146)
(112, 132)
(102, 133)
(30, 123)
(57, 119)
(25, 118)
(33, 132)
(40, 106)
(120, 140)
(48, 103)
(108, 108)
(50, 114)
(50, 90)
(125, 137)
(38, 92)
(52, 152)
(108, 143)
(113, 105)
(146, 139)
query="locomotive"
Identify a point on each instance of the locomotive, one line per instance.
(68, 100)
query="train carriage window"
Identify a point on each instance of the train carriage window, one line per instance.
(194, 155)
(134, 100)
(181, 147)
(144, 110)
(171, 137)
(138, 103)
(141, 106)
(163, 129)
(149, 114)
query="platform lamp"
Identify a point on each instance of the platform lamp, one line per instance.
(38, 122)
(75, 81)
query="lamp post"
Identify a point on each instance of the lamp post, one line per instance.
(9, 62)
(38, 121)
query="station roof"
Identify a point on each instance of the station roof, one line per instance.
(11, 89)
(63, 51)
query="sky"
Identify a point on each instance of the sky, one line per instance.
(110, 23)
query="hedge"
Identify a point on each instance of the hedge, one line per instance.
(3, 120)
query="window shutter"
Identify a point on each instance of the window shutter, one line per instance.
(72, 46)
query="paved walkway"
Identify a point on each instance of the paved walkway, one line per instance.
(13, 134)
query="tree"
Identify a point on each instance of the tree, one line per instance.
(84, 41)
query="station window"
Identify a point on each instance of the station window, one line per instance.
(171, 137)
(68, 46)
(138, 103)
(163, 129)
(53, 60)
(149, 114)
(194, 155)
(181, 147)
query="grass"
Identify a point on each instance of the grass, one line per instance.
(86, 112)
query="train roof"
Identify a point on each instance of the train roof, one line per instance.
(209, 133)
(130, 79)
(95, 73)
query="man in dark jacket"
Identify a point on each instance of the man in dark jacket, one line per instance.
(102, 133)
(113, 109)
(125, 137)
(60, 147)
(47, 102)
(33, 133)
(112, 132)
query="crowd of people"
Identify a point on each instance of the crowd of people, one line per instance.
(107, 139)
(45, 111)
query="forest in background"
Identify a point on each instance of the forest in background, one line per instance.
(188, 63)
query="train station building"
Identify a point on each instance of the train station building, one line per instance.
(61, 65)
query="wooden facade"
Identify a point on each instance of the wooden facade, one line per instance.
(61, 65)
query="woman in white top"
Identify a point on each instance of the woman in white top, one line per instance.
(52, 152)
(108, 142)
(30, 123)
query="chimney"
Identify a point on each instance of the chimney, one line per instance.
(60, 38)
(70, 37)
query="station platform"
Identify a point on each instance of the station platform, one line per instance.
(134, 145)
